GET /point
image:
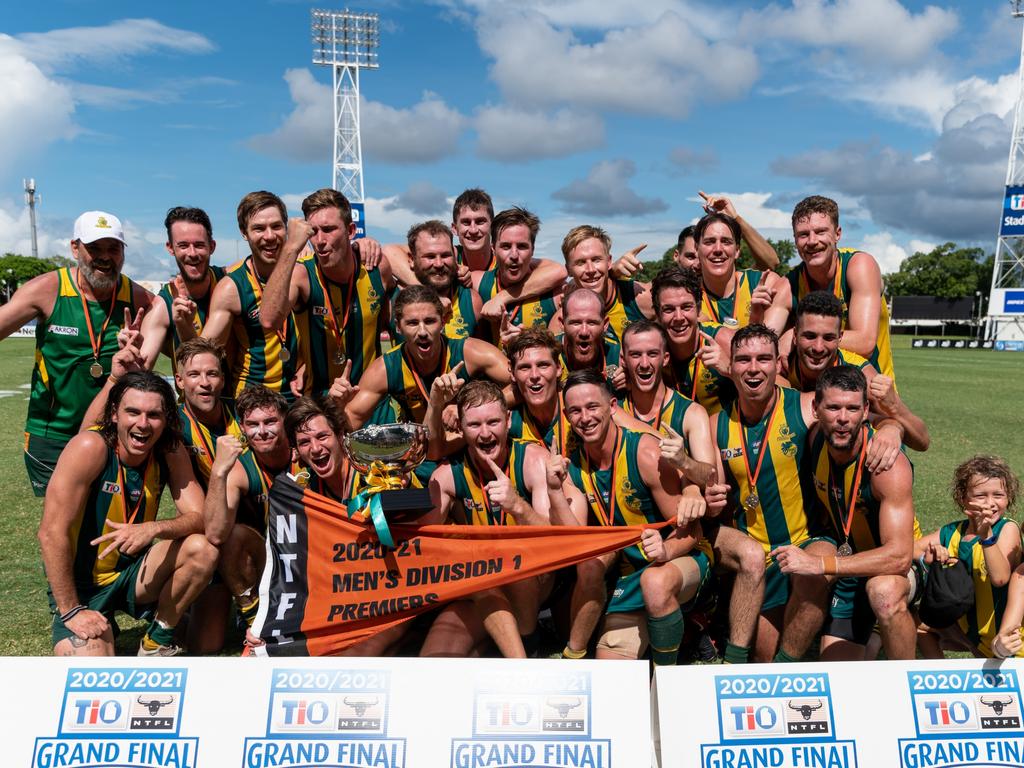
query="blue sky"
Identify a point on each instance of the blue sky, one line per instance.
(580, 110)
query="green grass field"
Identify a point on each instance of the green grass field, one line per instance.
(969, 399)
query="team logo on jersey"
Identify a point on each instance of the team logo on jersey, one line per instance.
(64, 330)
(110, 487)
(787, 441)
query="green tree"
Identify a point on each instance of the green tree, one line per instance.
(946, 272)
(16, 269)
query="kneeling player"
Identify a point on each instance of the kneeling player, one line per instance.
(99, 525)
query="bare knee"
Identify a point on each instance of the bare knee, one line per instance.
(660, 584)
(750, 560)
(888, 596)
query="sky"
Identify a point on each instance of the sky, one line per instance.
(582, 111)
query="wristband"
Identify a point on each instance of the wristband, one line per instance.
(990, 540)
(829, 565)
(69, 615)
(112, 379)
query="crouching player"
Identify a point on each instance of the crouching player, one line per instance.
(627, 483)
(99, 525)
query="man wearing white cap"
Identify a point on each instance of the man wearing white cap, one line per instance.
(78, 312)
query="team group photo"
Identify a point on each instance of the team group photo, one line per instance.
(490, 428)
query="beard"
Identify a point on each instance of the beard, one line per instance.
(97, 280)
(443, 283)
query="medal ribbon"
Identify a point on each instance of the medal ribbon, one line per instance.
(378, 479)
(631, 410)
(478, 477)
(605, 514)
(752, 477)
(558, 426)
(852, 505)
(416, 377)
(712, 308)
(257, 287)
(497, 282)
(199, 431)
(331, 319)
(124, 490)
(97, 344)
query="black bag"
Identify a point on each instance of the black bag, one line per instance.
(948, 593)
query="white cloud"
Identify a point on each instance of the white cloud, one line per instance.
(119, 39)
(16, 232)
(422, 198)
(423, 133)
(605, 192)
(514, 135)
(756, 208)
(878, 31)
(886, 251)
(663, 67)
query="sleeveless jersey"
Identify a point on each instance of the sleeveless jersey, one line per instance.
(780, 517)
(469, 487)
(119, 494)
(537, 311)
(256, 355)
(881, 356)
(254, 507)
(633, 502)
(62, 385)
(697, 381)
(201, 440)
(355, 309)
(404, 384)
(461, 259)
(556, 436)
(623, 308)
(981, 623)
(833, 484)
(173, 340)
(671, 414)
(843, 357)
(716, 309)
(461, 325)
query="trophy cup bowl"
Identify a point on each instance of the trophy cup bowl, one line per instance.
(386, 454)
(400, 448)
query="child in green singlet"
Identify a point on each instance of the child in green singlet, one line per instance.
(984, 488)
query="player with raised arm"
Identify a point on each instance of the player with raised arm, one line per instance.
(184, 301)
(259, 356)
(78, 312)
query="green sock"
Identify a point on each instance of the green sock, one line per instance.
(784, 658)
(666, 634)
(159, 634)
(736, 654)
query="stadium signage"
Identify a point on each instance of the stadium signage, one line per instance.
(359, 219)
(1012, 222)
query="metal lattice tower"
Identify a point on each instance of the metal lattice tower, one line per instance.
(1008, 269)
(346, 42)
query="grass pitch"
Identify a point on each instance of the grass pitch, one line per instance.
(970, 399)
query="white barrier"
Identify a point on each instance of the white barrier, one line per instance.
(873, 715)
(385, 713)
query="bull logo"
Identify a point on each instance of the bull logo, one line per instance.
(359, 706)
(564, 706)
(805, 710)
(155, 705)
(997, 705)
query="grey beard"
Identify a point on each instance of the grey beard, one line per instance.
(97, 280)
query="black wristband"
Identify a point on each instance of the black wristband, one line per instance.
(990, 540)
(69, 615)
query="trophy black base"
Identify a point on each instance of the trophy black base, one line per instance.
(405, 504)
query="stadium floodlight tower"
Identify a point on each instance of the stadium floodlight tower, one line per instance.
(346, 42)
(1006, 301)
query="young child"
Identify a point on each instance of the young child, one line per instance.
(989, 542)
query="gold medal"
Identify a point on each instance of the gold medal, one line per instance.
(752, 502)
(285, 355)
(845, 550)
(96, 369)
(340, 358)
